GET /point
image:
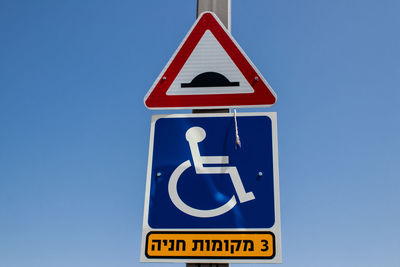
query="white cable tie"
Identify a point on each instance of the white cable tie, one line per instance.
(238, 144)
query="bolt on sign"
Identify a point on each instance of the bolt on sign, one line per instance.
(208, 199)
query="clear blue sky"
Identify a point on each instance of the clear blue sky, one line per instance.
(74, 131)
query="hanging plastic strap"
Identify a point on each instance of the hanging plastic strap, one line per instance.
(238, 144)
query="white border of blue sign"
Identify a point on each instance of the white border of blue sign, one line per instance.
(276, 229)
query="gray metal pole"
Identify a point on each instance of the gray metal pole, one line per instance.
(207, 264)
(222, 8)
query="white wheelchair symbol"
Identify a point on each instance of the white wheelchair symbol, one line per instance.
(194, 136)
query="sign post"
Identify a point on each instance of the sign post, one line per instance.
(209, 200)
(223, 11)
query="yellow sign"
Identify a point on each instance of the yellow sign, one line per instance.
(212, 245)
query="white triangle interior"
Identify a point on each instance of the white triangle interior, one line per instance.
(209, 56)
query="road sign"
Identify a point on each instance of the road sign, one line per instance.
(208, 200)
(209, 70)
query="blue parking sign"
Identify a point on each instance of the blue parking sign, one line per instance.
(201, 177)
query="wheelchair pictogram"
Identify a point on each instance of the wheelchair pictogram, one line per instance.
(195, 135)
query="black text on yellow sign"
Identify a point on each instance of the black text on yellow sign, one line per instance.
(210, 245)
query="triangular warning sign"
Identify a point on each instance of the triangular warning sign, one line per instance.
(209, 70)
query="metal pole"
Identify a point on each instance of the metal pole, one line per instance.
(207, 264)
(222, 8)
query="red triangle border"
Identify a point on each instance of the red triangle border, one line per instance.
(263, 95)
